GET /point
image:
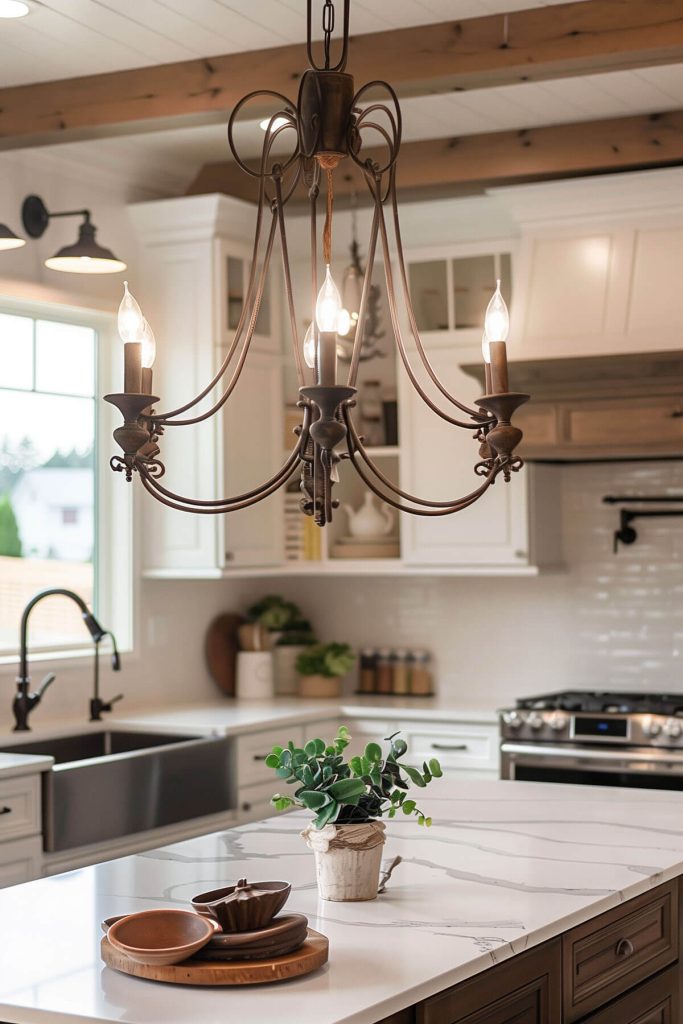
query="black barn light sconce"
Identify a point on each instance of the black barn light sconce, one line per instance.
(85, 256)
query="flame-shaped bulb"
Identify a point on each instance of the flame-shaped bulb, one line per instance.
(497, 319)
(344, 322)
(131, 322)
(309, 347)
(149, 347)
(485, 350)
(328, 306)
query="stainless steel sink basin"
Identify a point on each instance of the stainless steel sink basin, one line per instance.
(109, 784)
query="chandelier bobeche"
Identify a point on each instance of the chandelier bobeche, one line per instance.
(330, 122)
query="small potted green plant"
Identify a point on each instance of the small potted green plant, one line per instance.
(321, 668)
(348, 798)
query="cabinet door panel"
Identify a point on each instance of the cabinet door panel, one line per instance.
(656, 1002)
(523, 990)
(252, 455)
(438, 462)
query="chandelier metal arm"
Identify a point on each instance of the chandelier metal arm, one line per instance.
(152, 487)
(411, 312)
(301, 375)
(355, 446)
(220, 505)
(398, 334)
(253, 318)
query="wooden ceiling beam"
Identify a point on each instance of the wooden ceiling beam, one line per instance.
(527, 45)
(469, 163)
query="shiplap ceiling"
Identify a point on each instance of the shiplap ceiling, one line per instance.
(66, 38)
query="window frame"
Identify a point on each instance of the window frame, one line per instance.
(114, 527)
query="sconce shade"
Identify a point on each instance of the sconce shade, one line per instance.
(8, 240)
(86, 256)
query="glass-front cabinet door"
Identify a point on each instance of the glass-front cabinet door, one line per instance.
(451, 293)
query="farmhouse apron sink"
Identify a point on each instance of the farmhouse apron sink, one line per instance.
(109, 784)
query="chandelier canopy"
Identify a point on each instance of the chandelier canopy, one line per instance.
(329, 123)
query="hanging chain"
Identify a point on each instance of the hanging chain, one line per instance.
(328, 29)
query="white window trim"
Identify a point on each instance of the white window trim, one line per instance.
(115, 531)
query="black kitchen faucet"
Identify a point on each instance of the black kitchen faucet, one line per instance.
(24, 702)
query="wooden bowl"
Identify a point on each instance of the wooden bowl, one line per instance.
(161, 937)
(243, 907)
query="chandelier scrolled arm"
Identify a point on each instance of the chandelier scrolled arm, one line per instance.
(331, 121)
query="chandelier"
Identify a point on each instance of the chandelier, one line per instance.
(329, 123)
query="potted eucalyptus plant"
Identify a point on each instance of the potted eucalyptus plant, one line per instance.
(288, 635)
(321, 668)
(348, 798)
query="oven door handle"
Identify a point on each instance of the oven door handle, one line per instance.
(656, 755)
(608, 761)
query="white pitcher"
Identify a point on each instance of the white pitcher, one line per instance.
(370, 522)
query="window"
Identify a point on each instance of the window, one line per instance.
(48, 510)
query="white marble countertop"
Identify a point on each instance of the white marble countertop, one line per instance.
(506, 865)
(23, 764)
(232, 717)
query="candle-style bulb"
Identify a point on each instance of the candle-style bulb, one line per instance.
(309, 347)
(485, 350)
(149, 346)
(131, 322)
(328, 306)
(497, 319)
(343, 322)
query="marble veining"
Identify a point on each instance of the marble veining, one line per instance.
(506, 865)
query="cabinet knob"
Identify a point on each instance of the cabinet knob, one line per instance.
(229, 556)
(677, 414)
(5, 810)
(246, 806)
(624, 948)
(260, 757)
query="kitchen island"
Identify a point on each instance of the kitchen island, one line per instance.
(505, 869)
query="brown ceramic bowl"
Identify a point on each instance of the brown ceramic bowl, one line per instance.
(243, 907)
(161, 937)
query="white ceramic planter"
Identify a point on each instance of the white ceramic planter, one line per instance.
(286, 675)
(347, 860)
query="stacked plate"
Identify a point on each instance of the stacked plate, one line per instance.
(283, 935)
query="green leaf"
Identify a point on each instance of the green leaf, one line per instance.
(435, 768)
(307, 776)
(399, 747)
(373, 752)
(408, 806)
(428, 822)
(356, 766)
(273, 760)
(283, 772)
(276, 750)
(421, 820)
(314, 799)
(326, 814)
(414, 775)
(346, 789)
(392, 812)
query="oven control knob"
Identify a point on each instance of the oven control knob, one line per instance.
(672, 728)
(558, 721)
(652, 727)
(534, 720)
(512, 719)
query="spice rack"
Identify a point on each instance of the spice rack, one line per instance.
(395, 672)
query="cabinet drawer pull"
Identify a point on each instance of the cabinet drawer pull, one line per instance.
(5, 810)
(677, 414)
(624, 948)
(450, 746)
(260, 757)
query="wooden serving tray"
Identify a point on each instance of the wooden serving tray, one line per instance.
(307, 958)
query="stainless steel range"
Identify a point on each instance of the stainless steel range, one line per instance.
(594, 738)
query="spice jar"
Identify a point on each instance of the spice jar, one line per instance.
(368, 670)
(399, 675)
(421, 676)
(383, 671)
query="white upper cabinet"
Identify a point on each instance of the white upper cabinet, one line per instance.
(196, 265)
(598, 266)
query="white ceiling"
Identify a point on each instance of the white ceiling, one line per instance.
(67, 38)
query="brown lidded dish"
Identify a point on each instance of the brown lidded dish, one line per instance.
(244, 907)
(161, 937)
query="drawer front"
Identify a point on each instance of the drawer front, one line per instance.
(655, 1002)
(253, 802)
(463, 746)
(524, 990)
(20, 861)
(619, 949)
(19, 806)
(253, 749)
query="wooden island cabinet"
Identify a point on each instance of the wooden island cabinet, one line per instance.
(622, 967)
